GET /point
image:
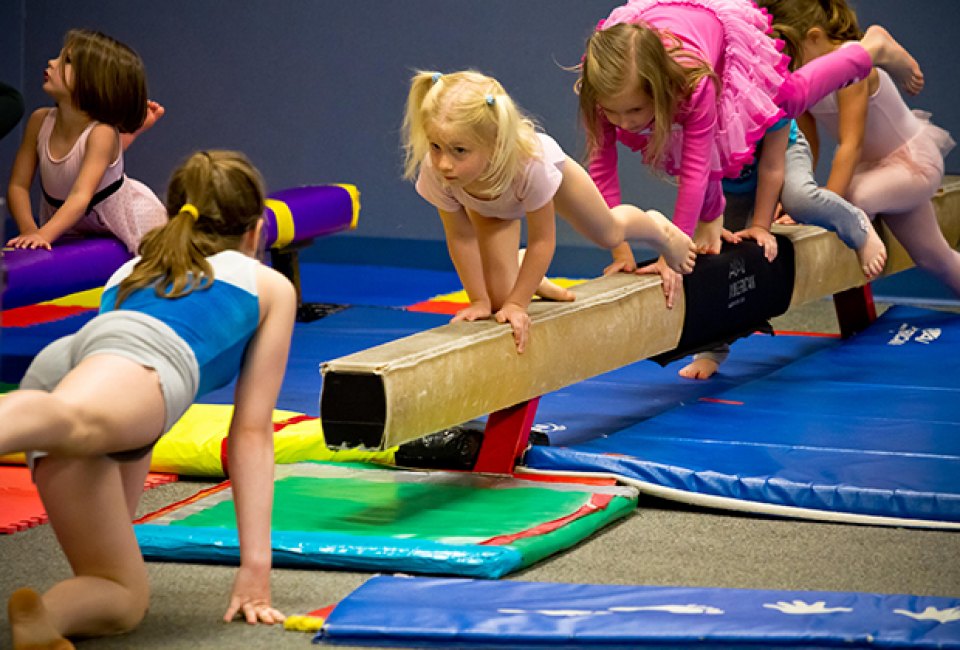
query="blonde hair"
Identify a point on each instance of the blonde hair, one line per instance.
(793, 19)
(109, 79)
(213, 199)
(478, 107)
(633, 55)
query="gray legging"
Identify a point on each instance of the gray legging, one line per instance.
(807, 202)
(804, 200)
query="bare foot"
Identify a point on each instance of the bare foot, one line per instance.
(873, 254)
(29, 624)
(708, 236)
(552, 291)
(677, 249)
(701, 368)
(888, 54)
(154, 112)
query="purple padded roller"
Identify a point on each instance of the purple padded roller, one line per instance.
(293, 215)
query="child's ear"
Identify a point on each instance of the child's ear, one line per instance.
(813, 44)
(815, 35)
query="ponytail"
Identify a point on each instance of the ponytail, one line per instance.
(213, 199)
(416, 145)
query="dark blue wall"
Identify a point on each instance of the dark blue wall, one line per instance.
(313, 91)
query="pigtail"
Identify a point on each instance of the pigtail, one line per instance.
(504, 156)
(496, 119)
(415, 141)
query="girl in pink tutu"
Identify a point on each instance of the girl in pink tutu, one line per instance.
(889, 159)
(693, 85)
(99, 87)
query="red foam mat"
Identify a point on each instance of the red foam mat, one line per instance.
(20, 505)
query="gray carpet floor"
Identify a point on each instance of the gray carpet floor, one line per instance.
(661, 543)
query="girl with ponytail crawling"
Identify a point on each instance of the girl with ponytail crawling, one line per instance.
(482, 163)
(194, 311)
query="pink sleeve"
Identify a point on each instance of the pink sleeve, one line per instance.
(603, 164)
(699, 122)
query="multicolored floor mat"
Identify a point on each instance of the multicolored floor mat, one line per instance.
(859, 430)
(20, 505)
(374, 519)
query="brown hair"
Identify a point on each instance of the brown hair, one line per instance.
(226, 192)
(109, 79)
(634, 54)
(793, 19)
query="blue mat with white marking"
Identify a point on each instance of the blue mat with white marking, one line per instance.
(417, 612)
(865, 430)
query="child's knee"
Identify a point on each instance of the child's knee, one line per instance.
(799, 199)
(131, 611)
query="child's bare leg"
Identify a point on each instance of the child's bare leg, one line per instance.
(550, 290)
(888, 54)
(78, 417)
(88, 510)
(579, 202)
(708, 236)
(653, 228)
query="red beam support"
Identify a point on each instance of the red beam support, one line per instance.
(505, 438)
(855, 310)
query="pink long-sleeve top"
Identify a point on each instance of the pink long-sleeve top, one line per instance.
(700, 32)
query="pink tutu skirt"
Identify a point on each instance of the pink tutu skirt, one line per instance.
(751, 73)
(921, 155)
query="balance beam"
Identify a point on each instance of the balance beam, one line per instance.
(429, 381)
(408, 388)
(292, 219)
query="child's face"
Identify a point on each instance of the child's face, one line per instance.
(458, 159)
(631, 110)
(58, 77)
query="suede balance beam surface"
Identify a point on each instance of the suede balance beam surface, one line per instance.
(420, 384)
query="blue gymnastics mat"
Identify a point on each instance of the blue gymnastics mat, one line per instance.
(380, 286)
(913, 287)
(336, 335)
(866, 430)
(416, 612)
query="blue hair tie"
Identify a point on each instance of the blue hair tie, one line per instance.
(490, 100)
(436, 77)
